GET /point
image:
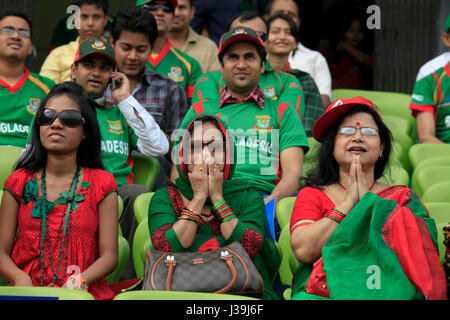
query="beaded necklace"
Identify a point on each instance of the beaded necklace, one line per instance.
(66, 230)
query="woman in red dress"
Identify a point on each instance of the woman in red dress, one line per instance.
(61, 202)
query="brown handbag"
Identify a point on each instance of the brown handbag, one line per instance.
(225, 270)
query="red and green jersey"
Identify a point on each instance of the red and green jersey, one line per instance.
(261, 134)
(18, 105)
(432, 94)
(117, 142)
(276, 85)
(178, 66)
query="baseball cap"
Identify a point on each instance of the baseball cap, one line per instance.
(447, 24)
(239, 34)
(337, 109)
(95, 46)
(139, 3)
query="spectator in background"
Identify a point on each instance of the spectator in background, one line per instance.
(350, 57)
(440, 60)
(212, 17)
(304, 59)
(281, 41)
(184, 38)
(134, 31)
(93, 19)
(21, 91)
(166, 59)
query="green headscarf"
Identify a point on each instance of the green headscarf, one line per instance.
(230, 185)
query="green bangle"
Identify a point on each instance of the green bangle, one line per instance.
(218, 204)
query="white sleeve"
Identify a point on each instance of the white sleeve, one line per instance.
(322, 75)
(152, 141)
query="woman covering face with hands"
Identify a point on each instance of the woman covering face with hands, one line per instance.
(344, 222)
(206, 209)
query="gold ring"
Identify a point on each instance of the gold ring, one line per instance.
(200, 168)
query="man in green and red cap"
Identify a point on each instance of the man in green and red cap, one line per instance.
(165, 58)
(269, 134)
(124, 127)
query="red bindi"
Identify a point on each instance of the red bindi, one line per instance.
(358, 124)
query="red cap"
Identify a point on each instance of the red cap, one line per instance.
(337, 109)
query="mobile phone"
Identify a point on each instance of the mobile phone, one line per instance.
(114, 84)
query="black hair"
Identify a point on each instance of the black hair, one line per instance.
(326, 171)
(17, 13)
(135, 19)
(289, 20)
(101, 4)
(246, 16)
(270, 4)
(89, 150)
(261, 52)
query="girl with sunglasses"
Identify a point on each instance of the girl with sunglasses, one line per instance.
(61, 202)
(355, 237)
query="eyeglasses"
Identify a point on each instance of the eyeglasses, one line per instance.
(365, 131)
(69, 118)
(10, 31)
(262, 35)
(155, 6)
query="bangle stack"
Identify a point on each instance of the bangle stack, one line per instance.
(223, 212)
(190, 215)
(335, 215)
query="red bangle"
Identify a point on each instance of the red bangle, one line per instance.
(335, 215)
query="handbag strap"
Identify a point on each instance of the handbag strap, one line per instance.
(225, 256)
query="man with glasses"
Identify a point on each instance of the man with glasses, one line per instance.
(21, 91)
(166, 59)
(275, 84)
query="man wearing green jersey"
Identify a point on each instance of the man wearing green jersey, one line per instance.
(124, 127)
(276, 85)
(269, 134)
(165, 58)
(21, 91)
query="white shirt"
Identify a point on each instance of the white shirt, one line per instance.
(314, 63)
(433, 65)
(152, 141)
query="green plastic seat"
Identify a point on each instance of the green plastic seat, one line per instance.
(439, 211)
(284, 210)
(141, 205)
(429, 176)
(284, 243)
(438, 192)
(145, 170)
(124, 254)
(141, 245)
(177, 295)
(395, 175)
(423, 151)
(397, 123)
(33, 293)
(313, 148)
(9, 156)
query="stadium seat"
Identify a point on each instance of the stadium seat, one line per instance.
(395, 175)
(439, 211)
(313, 148)
(124, 254)
(177, 295)
(42, 293)
(438, 192)
(9, 156)
(286, 252)
(284, 210)
(397, 123)
(141, 245)
(427, 177)
(141, 205)
(145, 170)
(422, 151)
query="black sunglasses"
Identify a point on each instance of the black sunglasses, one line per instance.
(155, 6)
(69, 118)
(263, 36)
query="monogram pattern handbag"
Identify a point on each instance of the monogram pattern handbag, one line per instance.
(225, 270)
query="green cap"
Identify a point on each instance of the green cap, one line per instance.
(447, 24)
(139, 3)
(95, 46)
(239, 34)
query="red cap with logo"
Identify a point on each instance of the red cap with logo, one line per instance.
(337, 109)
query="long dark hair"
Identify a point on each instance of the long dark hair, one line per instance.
(289, 20)
(326, 171)
(89, 150)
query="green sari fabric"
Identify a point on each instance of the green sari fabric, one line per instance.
(383, 249)
(246, 202)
